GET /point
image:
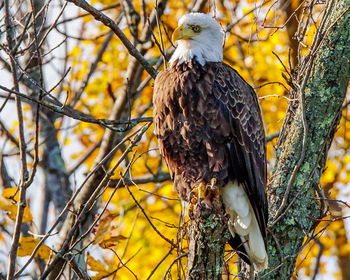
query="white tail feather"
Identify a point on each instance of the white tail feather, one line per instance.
(243, 222)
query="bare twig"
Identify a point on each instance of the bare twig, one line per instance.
(89, 204)
(318, 259)
(74, 114)
(111, 24)
(70, 202)
(79, 271)
(149, 220)
(158, 178)
(22, 148)
(92, 68)
(159, 263)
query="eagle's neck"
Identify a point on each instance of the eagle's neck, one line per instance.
(202, 52)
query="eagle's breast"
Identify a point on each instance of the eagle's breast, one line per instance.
(187, 124)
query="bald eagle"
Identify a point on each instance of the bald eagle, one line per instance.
(208, 123)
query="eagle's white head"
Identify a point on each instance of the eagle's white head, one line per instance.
(198, 36)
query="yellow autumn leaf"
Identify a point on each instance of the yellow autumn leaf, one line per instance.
(111, 241)
(27, 246)
(76, 51)
(11, 210)
(97, 266)
(104, 227)
(27, 215)
(2, 237)
(346, 159)
(11, 193)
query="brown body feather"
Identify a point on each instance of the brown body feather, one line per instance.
(208, 123)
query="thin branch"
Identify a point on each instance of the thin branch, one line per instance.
(22, 149)
(92, 68)
(318, 259)
(86, 207)
(111, 24)
(173, 262)
(79, 272)
(84, 235)
(148, 219)
(84, 158)
(303, 147)
(123, 264)
(74, 114)
(53, 25)
(87, 14)
(158, 178)
(159, 263)
(70, 202)
(160, 34)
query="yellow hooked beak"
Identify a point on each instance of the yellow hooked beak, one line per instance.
(183, 33)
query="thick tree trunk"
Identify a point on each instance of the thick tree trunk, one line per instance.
(208, 234)
(304, 143)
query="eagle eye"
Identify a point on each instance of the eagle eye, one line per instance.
(196, 28)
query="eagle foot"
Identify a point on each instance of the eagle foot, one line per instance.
(203, 193)
(212, 183)
(198, 193)
(202, 190)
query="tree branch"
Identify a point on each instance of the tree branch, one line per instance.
(111, 24)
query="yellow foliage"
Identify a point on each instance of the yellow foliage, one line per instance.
(76, 51)
(106, 234)
(97, 266)
(94, 264)
(11, 193)
(111, 241)
(27, 246)
(7, 204)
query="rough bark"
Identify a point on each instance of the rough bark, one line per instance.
(207, 236)
(321, 92)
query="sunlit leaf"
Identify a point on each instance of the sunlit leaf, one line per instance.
(11, 193)
(10, 207)
(27, 246)
(111, 241)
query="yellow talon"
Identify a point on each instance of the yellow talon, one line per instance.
(213, 182)
(195, 191)
(201, 190)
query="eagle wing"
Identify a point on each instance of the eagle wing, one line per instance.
(247, 145)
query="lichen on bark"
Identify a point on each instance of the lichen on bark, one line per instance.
(325, 83)
(207, 236)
